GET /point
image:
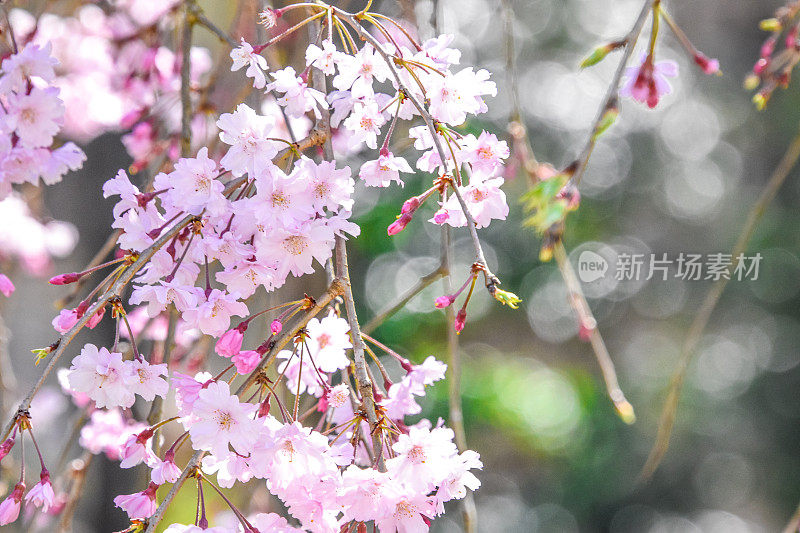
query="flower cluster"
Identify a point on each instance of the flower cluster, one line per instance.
(250, 208)
(31, 115)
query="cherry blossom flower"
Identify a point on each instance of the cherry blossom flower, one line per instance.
(41, 494)
(324, 58)
(328, 339)
(145, 379)
(9, 508)
(647, 83)
(219, 420)
(213, 315)
(384, 170)
(256, 63)
(140, 505)
(298, 98)
(102, 375)
(35, 116)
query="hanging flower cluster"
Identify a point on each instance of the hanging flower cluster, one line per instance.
(245, 212)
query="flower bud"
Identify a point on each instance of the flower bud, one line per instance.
(9, 508)
(5, 447)
(709, 66)
(507, 298)
(461, 320)
(770, 24)
(276, 326)
(230, 343)
(443, 301)
(441, 216)
(398, 225)
(600, 53)
(65, 279)
(410, 205)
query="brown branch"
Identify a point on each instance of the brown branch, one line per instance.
(581, 307)
(669, 411)
(364, 382)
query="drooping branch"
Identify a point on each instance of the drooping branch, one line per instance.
(669, 411)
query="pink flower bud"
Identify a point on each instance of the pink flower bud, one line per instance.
(6, 287)
(768, 47)
(398, 225)
(443, 301)
(276, 326)
(246, 361)
(9, 508)
(230, 343)
(410, 205)
(65, 279)
(709, 66)
(461, 320)
(5, 448)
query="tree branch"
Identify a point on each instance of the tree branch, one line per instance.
(669, 411)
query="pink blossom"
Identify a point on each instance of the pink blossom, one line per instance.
(384, 170)
(647, 83)
(9, 508)
(41, 494)
(145, 379)
(324, 58)
(107, 433)
(338, 396)
(219, 420)
(140, 505)
(103, 376)
(137, 449)
(328, 339)
(165, 471)
(213, 316)
(246, 361)
(256, 63)
(187, 389)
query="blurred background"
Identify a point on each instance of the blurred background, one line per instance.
(679, 178)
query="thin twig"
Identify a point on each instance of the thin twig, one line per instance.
(423, 283)
(588, 323)
(669, 411)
